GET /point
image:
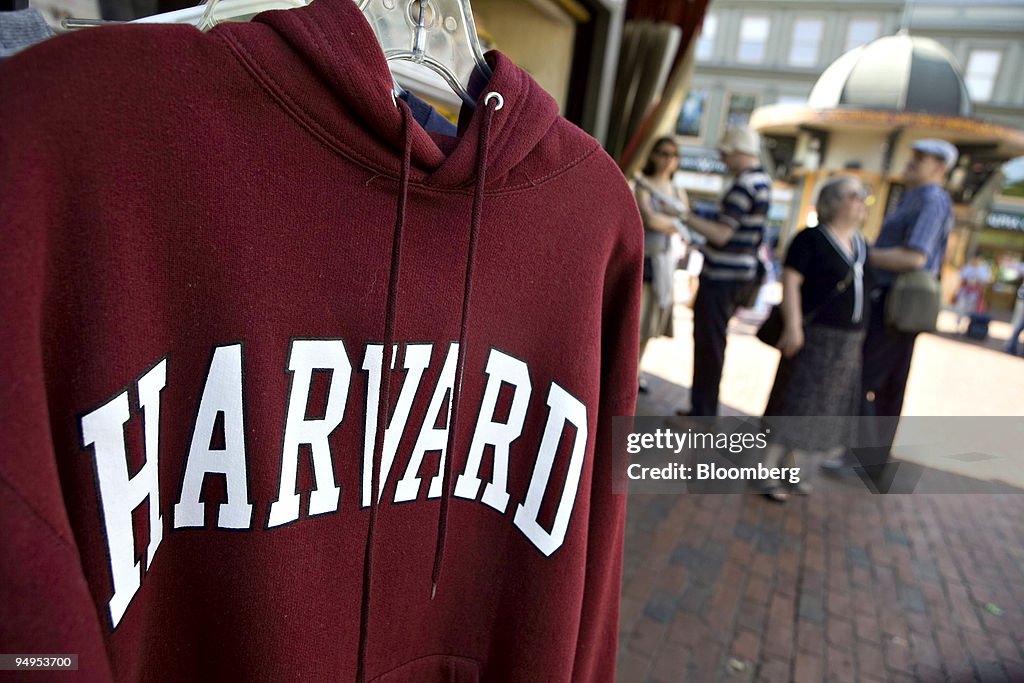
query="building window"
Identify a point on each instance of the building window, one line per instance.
(1013, 174)
(753, 39)
(982, 69)
(706, 40)
(803, 51)
(691, 117)
(861, 32)
(740, 107)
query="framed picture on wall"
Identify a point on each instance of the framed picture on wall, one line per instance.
(690, 123)
(741, 105)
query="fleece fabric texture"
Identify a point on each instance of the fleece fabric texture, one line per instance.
(197, 242)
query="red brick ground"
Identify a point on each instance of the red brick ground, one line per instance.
(835, 586)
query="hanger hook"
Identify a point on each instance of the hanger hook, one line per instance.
(420, 36)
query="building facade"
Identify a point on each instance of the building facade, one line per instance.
(753, 53)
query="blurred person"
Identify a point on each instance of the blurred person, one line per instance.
(1012, 343)
(970, 296)
(913, 237)
(1018, 306)
(730, 261)
(661, 203)
(772, 274)
(824, 309)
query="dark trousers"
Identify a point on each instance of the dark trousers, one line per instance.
(713, 307)
(887, 356)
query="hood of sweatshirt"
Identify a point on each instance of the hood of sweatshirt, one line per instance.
(329, 45)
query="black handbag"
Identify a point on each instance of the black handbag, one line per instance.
(771, 329)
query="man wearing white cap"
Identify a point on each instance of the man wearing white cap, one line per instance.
(730, 261)
(913, 237)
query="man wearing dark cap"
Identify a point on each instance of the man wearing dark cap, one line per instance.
(913, 237)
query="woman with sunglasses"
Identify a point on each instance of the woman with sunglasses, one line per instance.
(661, 204)
(825, 282)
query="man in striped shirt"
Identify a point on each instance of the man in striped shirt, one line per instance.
(730, 261)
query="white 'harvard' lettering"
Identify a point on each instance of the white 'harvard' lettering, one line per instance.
(103, 429)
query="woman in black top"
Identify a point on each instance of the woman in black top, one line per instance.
(824, 304)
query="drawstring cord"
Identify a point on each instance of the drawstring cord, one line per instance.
(384, 392)
(474, 233)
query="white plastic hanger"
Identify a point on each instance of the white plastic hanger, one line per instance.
(438, 34)
(213, 12)
(202, 16)
(209, 14)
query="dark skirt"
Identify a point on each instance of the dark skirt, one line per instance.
(655, 321)
(822, 383)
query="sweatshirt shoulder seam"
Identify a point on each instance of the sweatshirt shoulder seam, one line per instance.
(554, 173)
(295, 111)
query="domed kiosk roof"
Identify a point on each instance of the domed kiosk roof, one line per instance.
(895, 73)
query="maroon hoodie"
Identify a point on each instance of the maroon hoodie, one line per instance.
(209, 242)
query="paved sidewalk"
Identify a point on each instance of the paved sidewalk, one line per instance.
(835, 586)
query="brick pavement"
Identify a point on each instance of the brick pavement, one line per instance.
(835, 586)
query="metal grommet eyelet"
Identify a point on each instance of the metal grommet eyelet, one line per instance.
(496, 96)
